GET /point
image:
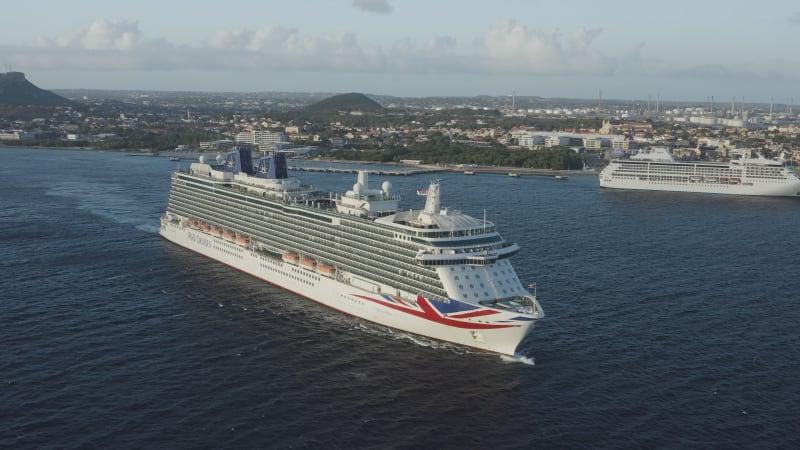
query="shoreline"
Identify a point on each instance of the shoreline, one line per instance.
(486, 170)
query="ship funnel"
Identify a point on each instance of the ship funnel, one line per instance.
(363, 178)
(239, 160)
(432, 204)
(273, 167)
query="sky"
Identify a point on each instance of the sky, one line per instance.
(615, 49)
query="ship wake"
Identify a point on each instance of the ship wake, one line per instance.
(519, 358)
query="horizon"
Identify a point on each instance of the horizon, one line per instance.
(709, 101)
(368, 94)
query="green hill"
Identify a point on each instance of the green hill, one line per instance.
(346, 102)
(16, 90)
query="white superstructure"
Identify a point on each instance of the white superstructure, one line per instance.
(435, 272)
(657, 171)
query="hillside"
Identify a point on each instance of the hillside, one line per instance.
(16, 90)
(346, 102)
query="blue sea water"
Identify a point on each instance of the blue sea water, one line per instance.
(672, 322)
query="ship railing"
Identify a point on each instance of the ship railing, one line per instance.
(483, 258)
(522, 304)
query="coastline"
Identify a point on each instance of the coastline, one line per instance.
(427, 168)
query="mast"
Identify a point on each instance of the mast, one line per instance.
(432, 203)
(770, 109)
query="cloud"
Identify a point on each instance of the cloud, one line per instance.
(284, 49)
(505, 48)
(104, 34)
(375, 6)
(795, 18)
(512, 46)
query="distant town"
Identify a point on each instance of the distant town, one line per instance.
(513, 131)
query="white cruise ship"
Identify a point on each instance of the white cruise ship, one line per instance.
(435, 272)
(657, 171)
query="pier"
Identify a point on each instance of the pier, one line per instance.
(417, 170)
(400, 171)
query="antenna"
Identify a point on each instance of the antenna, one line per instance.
(770, 109)
(600, 99)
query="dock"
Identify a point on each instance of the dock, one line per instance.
(403, 172)
(429, 169)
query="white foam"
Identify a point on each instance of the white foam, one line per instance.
(517, 358)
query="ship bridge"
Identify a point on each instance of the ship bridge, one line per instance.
(449, 237)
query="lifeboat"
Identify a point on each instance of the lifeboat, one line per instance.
(216, 231)
(734, 180)
(192, 223)
(205, 227)
(308, 263)
(242, 240)
(228, 236)
(290, 257)
(327, 270)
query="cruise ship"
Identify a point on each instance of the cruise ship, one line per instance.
(435, 272)
(658, 171)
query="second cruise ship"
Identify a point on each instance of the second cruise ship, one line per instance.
(657, 171)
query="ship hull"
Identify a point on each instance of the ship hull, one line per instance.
(760, 189)
(485, 329)
(753, 177)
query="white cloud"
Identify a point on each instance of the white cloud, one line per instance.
(506, 48)
(512, 46)
(375, 6)
(795, 18)
(104, 34)
(442, 44)
(283, 49)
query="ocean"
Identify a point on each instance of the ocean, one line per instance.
(671, 322)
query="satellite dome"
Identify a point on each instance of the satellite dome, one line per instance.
(386, 186)
(202, 159)
(220, 158)
(357, 188)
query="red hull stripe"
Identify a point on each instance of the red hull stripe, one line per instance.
(482, 312)
(429, 313)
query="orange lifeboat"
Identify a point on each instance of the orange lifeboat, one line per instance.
(327, 270)
(205, 227)
(308, 263)
(242, 240)
(228, 236)
(290, 257)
